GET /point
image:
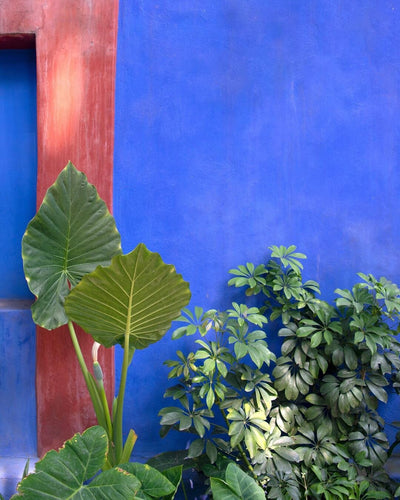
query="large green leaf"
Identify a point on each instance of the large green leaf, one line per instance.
(222, 491)
(237, 486)
(137, 294)
(174, 475)
(154, 484)
(71, 234)
(65, 474)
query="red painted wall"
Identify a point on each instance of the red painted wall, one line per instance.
(76, 52)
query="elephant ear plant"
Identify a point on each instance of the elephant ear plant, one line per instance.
(72, 473)
(73, 264)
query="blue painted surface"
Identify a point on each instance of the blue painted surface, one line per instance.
(18, 170)
(11, 471)
(18, 164)
(241, 125)
(17, 381)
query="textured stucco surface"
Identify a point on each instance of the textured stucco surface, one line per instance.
(241, 125)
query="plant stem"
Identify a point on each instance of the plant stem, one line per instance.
(106, 410)
(305, 486)
(184, 489)
(90, 383)
(117, 436)
(78, 352)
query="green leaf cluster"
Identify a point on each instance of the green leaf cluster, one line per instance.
(74, 266)
(74, 472)
(302, 423)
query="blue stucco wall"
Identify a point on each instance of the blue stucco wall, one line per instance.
(243, 124)
(17, 381)
(18, 170)
(18, 164)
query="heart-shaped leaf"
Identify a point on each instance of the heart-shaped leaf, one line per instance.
(137, 294)
(65, 474)
(154, 484)
(237, 485)
(71, 234)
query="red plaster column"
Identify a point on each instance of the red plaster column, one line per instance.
(76, 54)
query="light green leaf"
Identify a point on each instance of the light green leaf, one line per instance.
(222, 491)
(316, 339)
(240, 350)
(71, 234)
(137, 294)
(210, 398)
(209, 366)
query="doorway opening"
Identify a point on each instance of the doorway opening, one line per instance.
(18, 179)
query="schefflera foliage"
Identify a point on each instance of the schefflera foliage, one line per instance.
(73, 264)
(307, 427)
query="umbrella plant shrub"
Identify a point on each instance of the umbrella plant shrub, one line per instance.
(304, 423)
(74, 266)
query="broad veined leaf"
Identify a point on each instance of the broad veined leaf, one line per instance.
(65, 474)
(71, 234)
(222, 491)
(138, 294)
(154, 484)
(174, 475)
(237, 485)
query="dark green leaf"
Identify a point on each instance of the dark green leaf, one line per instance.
(64, 474)
(196, 448)
(71, 234)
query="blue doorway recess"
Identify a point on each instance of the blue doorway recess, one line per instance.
(18, 173)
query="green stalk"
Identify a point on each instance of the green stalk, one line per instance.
(102, 395)
(90, 384)
(128, 447)
(184, 489)
(305, 485)
(78, 351)
(117, 430)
